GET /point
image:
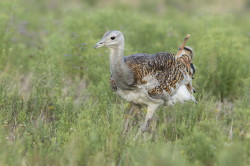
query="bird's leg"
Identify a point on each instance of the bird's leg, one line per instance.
(128, 116)
(150, 113)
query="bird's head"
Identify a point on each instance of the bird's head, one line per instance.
(111, 39)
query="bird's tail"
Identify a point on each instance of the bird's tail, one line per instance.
(185, 56)
(182, 46)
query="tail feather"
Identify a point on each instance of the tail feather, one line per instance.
(182, 46)
(185, 56)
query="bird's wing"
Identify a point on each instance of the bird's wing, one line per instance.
(158, 72)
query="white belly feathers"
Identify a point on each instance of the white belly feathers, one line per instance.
(182, 94)
(140, 96)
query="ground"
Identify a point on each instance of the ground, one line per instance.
(57, 107)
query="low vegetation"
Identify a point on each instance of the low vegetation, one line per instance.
(56, 104)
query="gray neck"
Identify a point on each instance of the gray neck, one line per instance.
(116, 57)
(120, 72)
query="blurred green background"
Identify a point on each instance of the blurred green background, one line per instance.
(57, 107)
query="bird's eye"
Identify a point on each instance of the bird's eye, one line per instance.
(112, 38)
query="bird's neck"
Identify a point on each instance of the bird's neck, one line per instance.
(120, 72)
(117, 58)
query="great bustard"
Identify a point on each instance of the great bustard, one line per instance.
(149, 79)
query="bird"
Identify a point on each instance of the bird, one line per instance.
(149, 80)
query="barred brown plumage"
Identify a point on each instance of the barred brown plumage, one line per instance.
(149, 79)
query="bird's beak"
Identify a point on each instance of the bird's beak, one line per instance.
(99, 44)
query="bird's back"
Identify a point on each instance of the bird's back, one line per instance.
(161, 73)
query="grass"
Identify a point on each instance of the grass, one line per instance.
(56, 104)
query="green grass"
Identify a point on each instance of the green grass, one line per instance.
(56, 104)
